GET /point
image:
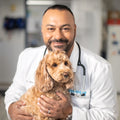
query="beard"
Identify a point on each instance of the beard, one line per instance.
(65, 47)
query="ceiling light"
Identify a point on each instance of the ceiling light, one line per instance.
(36, 2)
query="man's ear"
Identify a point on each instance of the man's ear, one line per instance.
(42, 80)
(41, 29)
(75, 27)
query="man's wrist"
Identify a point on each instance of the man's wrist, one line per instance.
(69, 117)
(70, 110)
(68, 113)
(10, 107)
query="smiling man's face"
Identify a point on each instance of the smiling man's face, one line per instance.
(58, 30)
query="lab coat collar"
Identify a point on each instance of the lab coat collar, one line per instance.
(74, 57)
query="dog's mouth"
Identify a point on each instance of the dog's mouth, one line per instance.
(65, 77)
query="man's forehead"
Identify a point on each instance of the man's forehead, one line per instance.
(52, 12)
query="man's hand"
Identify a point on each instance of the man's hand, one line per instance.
(16, 113)
(56, 109)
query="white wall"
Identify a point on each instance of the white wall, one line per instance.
(34, 20)
(113, 55)
(11, 43)
(88, 16)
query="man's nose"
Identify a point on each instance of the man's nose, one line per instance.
(58, 34)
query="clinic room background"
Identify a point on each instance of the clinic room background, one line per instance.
(102, 38)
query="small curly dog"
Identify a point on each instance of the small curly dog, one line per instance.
(53, 74)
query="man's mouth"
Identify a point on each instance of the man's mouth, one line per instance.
(59, 42)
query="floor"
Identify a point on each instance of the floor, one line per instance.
(119, 106)
(3, 115)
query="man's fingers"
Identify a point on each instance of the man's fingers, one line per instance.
(19, 104)
(61, 95)
(45, 104)
(47, 100)
(24, 117)
(19, 111)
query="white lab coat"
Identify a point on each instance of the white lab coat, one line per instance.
(100, 101)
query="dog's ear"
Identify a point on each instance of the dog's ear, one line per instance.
(69, 85)
(42, 80)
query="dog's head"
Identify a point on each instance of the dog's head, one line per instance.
(55, 66)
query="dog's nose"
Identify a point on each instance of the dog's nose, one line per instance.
(66, 75)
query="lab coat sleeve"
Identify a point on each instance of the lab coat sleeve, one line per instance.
(17, 88)
(103, 100)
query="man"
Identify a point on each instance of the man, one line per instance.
(98, 101)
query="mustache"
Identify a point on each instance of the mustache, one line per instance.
(58, 40)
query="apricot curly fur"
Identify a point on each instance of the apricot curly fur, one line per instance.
(53, 74)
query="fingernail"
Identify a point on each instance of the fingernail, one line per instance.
(38, 103)
(24, 103)
(38, 99)
(41, 96)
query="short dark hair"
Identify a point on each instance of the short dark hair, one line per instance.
(59, 7)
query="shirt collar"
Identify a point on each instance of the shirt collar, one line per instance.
(74, 57)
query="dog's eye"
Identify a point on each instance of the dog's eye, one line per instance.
(54, 65)
(65, 63)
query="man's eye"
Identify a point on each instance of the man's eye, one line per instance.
(66, 29)
(50, 29)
